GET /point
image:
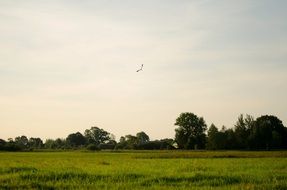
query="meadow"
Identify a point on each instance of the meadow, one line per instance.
(144, 170)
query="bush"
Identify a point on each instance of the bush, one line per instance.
(107, 146)
(12, 147)
(93, 147)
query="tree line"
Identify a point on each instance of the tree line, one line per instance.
(263, 133)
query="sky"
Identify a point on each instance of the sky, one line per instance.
(67, 65)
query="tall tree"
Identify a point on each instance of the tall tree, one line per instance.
(131, 141)
(242, 130)
(50, 144)
(230, 142)
(97, 136)
(76, 139)
(190, 133)
(2, 144)
(122, 143)
(213, 137)
(35, 143)
(22, 141)
(269, 132)
(60, 143)
(142, 138)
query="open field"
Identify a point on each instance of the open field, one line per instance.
(144, 170)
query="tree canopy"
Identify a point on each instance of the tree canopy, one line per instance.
(96, 136)
(190, 133)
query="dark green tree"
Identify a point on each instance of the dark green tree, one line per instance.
(110, 145)
(50, 144)
(163, 144)
(222, 138)
(213, 138)
(76, 139)
(2, 144)
(190, 133)
(131, 142)
(22, 141)
(122, 144)
(268, 133)
(230, 142)
(56, 144)
(142, 138)
(10, 145)
(242, 130)
(60, 143)
(97, 136)
(35, 143)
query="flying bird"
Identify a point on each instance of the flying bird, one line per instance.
(140, 68)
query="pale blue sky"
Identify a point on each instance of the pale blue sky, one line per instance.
(68, 65)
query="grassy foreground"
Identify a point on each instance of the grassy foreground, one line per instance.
(144, 170)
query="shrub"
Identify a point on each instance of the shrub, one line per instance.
(93, 147)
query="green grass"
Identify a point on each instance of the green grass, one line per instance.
(144, 170)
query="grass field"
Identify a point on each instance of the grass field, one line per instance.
(144, 170)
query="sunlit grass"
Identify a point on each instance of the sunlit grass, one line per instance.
(144, 170)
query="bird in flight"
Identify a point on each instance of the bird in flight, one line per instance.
(140, 68)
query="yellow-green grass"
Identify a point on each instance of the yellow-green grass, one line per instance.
(144, 170)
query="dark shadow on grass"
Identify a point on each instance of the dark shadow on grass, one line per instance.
(33, 185)
(18, 170)
(79, 176)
